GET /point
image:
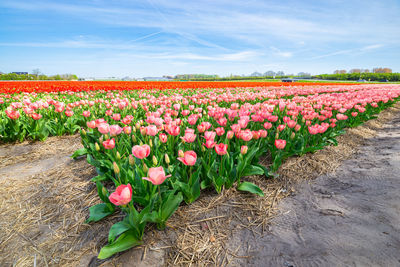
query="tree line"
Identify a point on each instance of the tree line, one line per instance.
(58, 77)
(390, 77)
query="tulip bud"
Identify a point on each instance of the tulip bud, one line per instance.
(143, 131)
(83, 132)
(277, 135)
(303, 120)
(145, 168)
(167, 158)
(116, 168)
(104, 191)
(118, 156)
(56, 120)
(106, 136)
(203, 149)
(292, 136)
(133, 138)
(101, 139)
(243, 150)
(137, 126)
(97, 147)
(151, 143)
(181, 154)
(131, 160)
(155, 161)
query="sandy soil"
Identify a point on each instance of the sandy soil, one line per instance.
(349, 218)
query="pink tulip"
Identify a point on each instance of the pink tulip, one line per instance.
(104, 128)
(86, 113)
(109, 143)
(116, 117)
(189, 137)
(341, 117)
(141, 152)
(209, 135)
(280, 144)
(246, 135)
(220, 131)
(127, 129)
(189, 158)
(151, 130)
(267, 125)
(229, 134)
(156, 175)
(115, 130)
(122, 195)
(221, 149)
(291, 124)
(36, 116)
(193, 119)
(91, 124)
(163, 137)
(209, 143)
(69, 113)
(173, 130)
(281, 127)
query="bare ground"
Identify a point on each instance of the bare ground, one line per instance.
(44, 200)
(349, 218)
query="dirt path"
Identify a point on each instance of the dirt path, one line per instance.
(350, 218)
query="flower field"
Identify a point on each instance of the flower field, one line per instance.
(158, 145)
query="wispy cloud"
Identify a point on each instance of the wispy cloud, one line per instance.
(350, 51)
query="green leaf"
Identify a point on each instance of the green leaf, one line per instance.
(99, 211)
(171, 205)
(79, 152)
(250, 187)
(99, 178)
(117, 229)
(126, 241)
(253, 170)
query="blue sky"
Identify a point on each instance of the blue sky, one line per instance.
(166, 37)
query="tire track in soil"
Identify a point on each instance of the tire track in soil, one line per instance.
(349, 218)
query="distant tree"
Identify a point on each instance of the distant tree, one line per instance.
(340, 72)
(382, 70)
(304, 74)
(355, 71)
(280, 73)
(269, 73)
(256, 74)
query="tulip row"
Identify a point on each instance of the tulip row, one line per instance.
(168, 153)
(160, 148)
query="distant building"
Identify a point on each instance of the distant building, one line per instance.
(20, 73)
